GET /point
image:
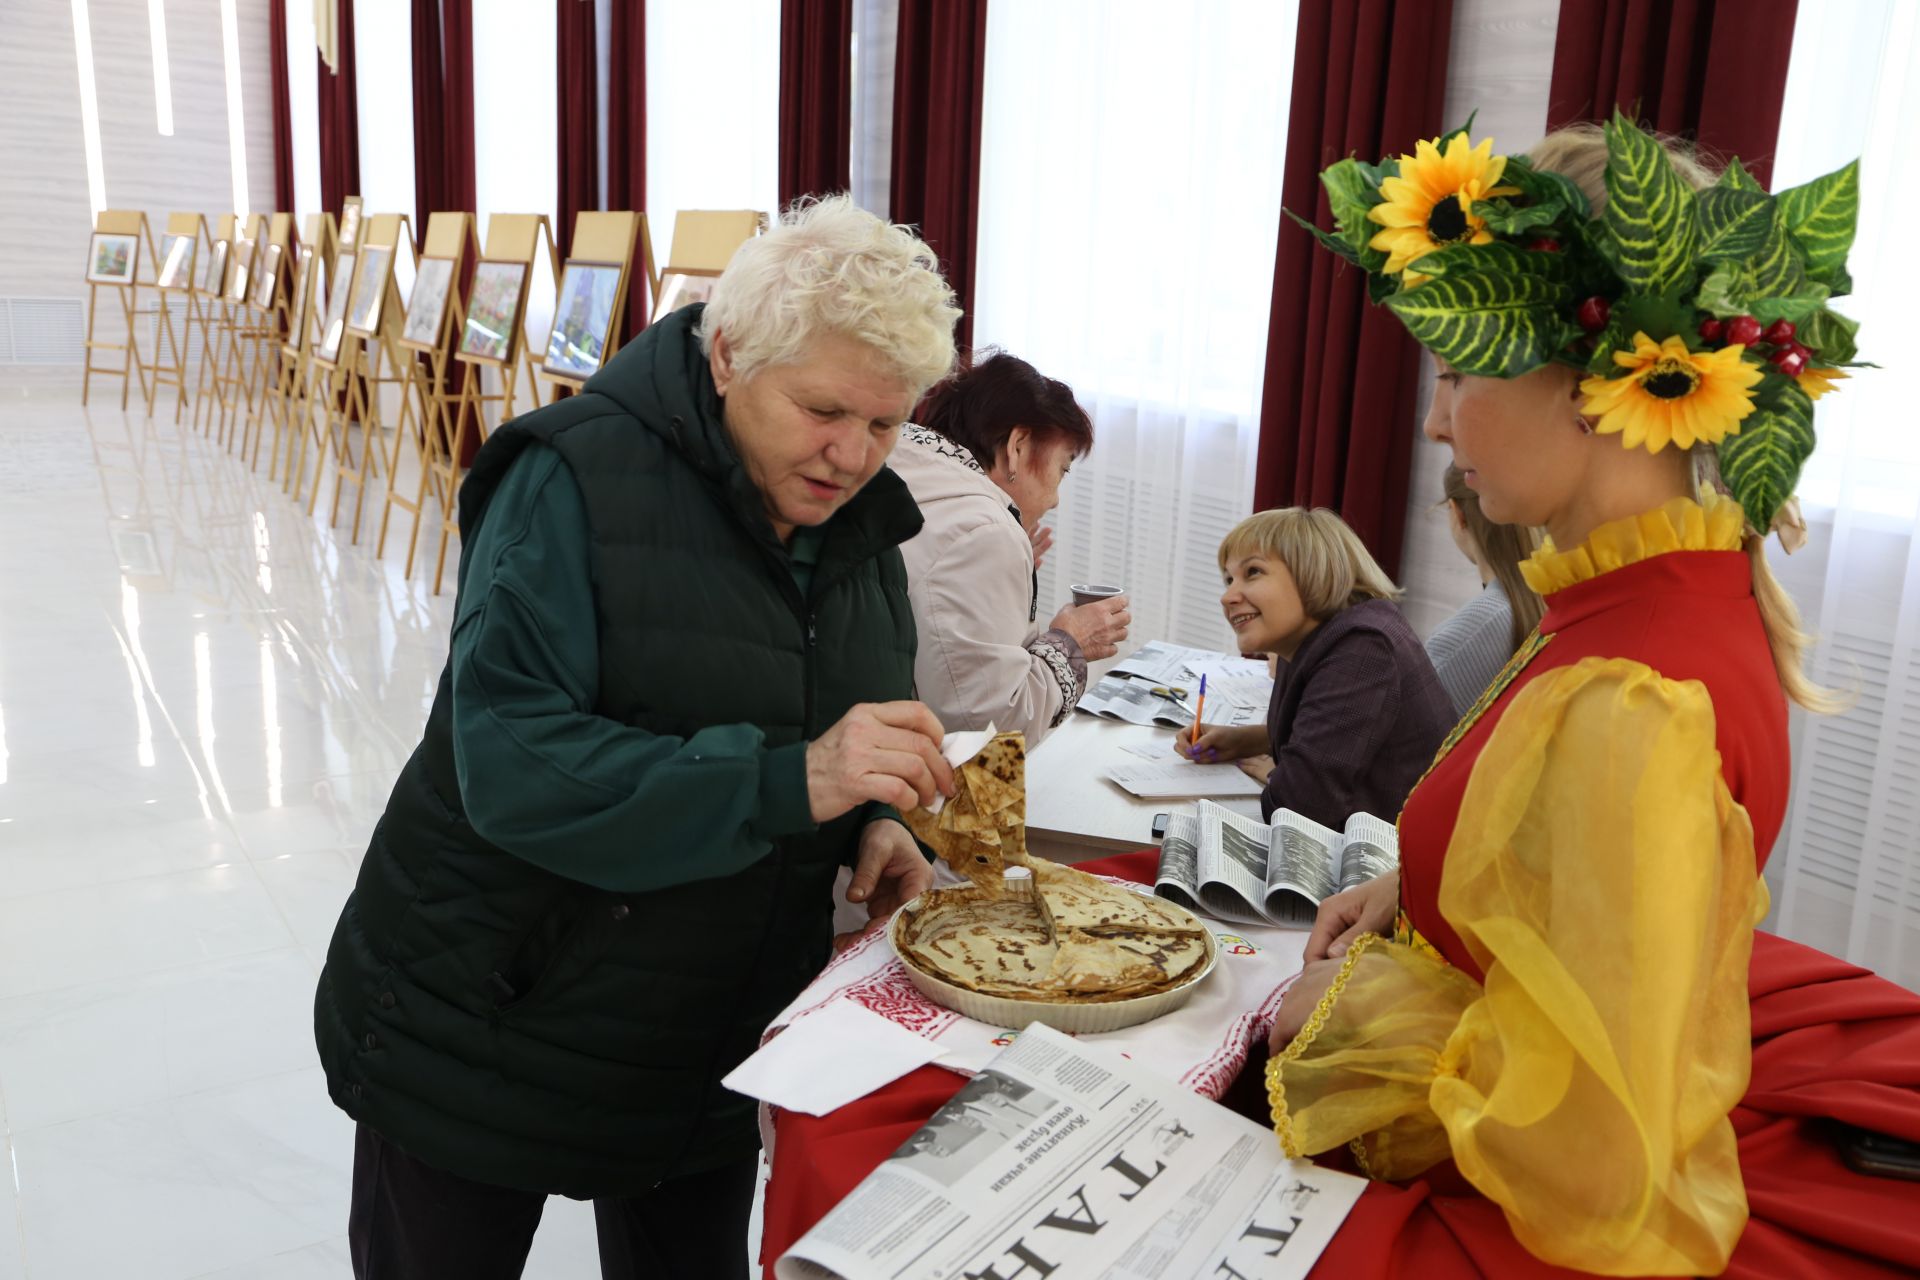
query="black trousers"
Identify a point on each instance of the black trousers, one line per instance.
(411, 1221)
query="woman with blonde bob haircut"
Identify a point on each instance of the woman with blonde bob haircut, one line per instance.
(1357, 709)
(680, 693)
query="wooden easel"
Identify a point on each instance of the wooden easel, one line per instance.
(323, 239)
(119, 222)
(213, 390)
(378, 346)
(270, 299)
(600, 239)
(511, 237)
(169, 364)
(705, 240)
(450, 238)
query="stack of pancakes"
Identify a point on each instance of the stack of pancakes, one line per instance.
(1056, 935)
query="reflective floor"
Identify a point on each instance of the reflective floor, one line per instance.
(205, 697)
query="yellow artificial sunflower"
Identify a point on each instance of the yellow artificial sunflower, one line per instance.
(1816, 381)
(1430, 205)
(1671, 393)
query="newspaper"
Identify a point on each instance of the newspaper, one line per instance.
(1135, 702)
(1232, 868)
(1238, 689)
(1067, 1160)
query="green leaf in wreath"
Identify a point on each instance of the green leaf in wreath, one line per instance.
(1767, 310)
(1735, 176)
(1493, 324)
(1660, 316)
(1474, 259)
(1650, 216)
(1778, 270)
(1733, 223)
(1820, 215)
(1503, 217)
(1830, 336)
(1350, 195)
(1326, 238)
(1761, 463)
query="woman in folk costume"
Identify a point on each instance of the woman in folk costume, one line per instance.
(1557, 1028)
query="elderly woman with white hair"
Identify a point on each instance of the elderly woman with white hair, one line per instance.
(678, 701)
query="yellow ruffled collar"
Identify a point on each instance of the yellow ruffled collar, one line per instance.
(1715, 524)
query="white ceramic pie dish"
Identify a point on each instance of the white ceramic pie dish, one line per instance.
(1077, 1019)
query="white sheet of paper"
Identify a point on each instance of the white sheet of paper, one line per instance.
(1174, 779)
(830, 1058)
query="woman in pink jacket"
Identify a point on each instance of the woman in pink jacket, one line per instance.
(985, 464)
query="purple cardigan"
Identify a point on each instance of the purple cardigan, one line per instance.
(1355, 719)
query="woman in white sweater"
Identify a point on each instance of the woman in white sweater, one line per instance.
(985, 464)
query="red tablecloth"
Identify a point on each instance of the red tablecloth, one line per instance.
(1830, 1041)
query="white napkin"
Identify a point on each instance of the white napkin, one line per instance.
(957, 749)
(830, 1057)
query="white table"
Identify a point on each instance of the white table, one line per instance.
(1074, 813)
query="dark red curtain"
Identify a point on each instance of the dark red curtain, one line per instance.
(429, 116)
(938, 83)
(579, 112)
(282, 108)
(816, 97)
(442, 110)
(456, 106)
(627, 137)
(339, 121)
(1710, 70)
(1337, 413)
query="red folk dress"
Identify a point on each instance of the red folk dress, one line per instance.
(1579, 1056)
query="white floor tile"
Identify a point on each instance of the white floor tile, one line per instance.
(175, 1189)
(327, 1260)
(79, 1052)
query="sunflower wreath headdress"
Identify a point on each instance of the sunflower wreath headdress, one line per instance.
(1698, 316)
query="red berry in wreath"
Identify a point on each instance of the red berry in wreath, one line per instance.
(1779, 333)
(1543, 244)
(1805, 353)
(1594, 314)
(1789, 362)
(1743, 331)
(1712, 330)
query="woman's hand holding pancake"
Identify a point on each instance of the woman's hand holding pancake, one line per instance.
(884, 751)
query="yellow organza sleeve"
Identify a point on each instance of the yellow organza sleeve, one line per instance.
(1603, 879)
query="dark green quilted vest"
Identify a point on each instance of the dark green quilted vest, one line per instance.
(518, 1028)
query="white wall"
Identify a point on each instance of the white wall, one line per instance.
(1500, 66)
(44, 211)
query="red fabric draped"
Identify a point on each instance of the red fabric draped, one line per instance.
(627, 136)
(339, 121)
(816, 97)
(455, 146)
(1711, 70)
(578, 84)
(938, 81)
(1337, 413)
(429, 116)
(282, 108)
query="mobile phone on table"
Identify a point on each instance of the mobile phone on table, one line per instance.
(1160, 825)
(1879, 1154)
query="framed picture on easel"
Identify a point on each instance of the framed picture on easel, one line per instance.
(217, 269)
(112, 259)
(269, 277)
(240, 270)
(493, 312)
(684, 288)
(302, 276)
(369, 290)
(427, 308)
(582, 315)
(350, 224)
(176, 261)
(334, 327)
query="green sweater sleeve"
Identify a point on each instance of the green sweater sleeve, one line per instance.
(545, 778)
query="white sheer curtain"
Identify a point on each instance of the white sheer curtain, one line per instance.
(1847, 876)
(383, 92)
(1130, 197)
(303, 99)
(713, 109)
(515, 123)
(876, 26)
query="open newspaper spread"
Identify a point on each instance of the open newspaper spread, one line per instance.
(1230, 867)
(1067, 1160)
